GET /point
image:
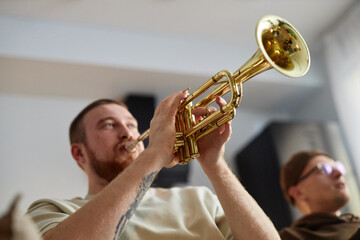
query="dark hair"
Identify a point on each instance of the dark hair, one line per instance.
(291, 171)
(77, 130)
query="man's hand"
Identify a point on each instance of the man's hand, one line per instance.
(162, 128)
(212, 146)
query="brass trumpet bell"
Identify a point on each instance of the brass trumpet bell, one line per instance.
(280, 47)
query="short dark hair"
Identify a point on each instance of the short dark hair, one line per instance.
(77, 130)
(291, 171)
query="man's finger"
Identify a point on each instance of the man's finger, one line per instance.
(220, 101)
(203, 111)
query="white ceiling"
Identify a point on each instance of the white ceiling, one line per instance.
(221, 20)
(220, 23)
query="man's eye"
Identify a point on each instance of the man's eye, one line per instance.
(110, 125)
(132, 126)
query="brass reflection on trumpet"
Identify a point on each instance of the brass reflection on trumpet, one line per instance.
(280, 47)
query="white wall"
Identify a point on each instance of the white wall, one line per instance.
(34, 149)
(343, 66)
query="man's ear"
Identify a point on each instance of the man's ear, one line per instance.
(78, 152)
(295, 193)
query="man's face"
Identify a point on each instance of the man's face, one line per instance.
(324, 192)
(107, 128)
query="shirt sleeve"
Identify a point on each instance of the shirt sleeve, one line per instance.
(223, 225)
(220, 218)
(46, 216)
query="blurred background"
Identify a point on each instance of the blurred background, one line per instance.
(57, 56)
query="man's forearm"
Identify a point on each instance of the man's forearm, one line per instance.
(144, 186)
(106, 215)
(245, 217)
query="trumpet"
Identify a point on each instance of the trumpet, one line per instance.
(280, 46)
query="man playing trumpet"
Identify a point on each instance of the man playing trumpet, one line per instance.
(120, 203)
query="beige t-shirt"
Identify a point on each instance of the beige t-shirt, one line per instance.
(175, 213)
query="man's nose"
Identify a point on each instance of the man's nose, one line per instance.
(336, 173)
(125, 133)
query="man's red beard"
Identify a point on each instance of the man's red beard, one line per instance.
(108, 169)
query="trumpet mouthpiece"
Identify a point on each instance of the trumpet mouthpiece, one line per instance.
(130, 146)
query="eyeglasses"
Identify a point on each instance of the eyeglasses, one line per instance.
(325, 168)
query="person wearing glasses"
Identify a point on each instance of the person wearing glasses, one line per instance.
(120, 203)
(314, 183)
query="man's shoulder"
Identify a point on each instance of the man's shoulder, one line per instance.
(64, 205)
(322, 226)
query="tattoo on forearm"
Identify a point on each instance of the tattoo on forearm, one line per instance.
(143, 187)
